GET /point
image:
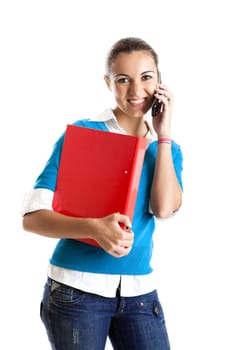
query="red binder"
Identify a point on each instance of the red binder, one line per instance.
(99, 173)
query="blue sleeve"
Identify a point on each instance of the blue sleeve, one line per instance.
(178, 162)
(48, 177)
(176, 157)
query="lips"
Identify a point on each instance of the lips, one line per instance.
(136, 101)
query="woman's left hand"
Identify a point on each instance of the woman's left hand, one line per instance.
(162, 121)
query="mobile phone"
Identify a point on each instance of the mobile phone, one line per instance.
(156, 106)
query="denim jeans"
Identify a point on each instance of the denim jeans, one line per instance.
(76, 320)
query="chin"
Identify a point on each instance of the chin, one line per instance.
(139, 114)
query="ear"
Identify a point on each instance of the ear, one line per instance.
(107, 81)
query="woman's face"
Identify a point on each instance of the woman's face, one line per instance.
(133, 81)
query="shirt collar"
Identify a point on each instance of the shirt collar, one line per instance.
(104, 116)
(109, 117)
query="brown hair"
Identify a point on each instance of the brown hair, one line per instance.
(128, 45)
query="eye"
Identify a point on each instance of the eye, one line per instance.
(123, 80)
(147, 77)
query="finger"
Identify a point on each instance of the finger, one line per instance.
(121, 251)
(123, 220)
(164, 97)
(165, 93)
(127, 241)
(163, 87)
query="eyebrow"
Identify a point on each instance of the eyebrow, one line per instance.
(126, 75)
(148, 71)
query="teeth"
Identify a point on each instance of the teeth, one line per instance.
(136, 101)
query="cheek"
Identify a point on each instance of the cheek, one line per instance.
(150, 89)
(119, 93)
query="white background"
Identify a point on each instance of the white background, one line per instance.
(51, 73)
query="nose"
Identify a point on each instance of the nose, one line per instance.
(135, 88)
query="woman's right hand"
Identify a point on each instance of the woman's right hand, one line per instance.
(110, 232)
(114, 235)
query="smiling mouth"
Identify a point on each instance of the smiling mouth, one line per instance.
(136, 102)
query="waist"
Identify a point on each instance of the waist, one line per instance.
(105, 285)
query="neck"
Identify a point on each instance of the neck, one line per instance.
(133, 126)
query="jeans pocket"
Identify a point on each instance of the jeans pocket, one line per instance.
(158, 312)
(61, 293)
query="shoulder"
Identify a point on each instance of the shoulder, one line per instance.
(96, 122)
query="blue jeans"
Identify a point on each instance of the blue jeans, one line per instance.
(76, 320)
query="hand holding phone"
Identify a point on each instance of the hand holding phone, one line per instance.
(156, 106)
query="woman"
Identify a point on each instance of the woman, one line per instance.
(86, 301)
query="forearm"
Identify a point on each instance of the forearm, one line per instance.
(106, 231)
(166, 194)
(55, 225)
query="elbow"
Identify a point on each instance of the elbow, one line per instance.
(165, 211)
(29, 222)
(26, 223)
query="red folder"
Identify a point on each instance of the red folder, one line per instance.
(99, 173)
